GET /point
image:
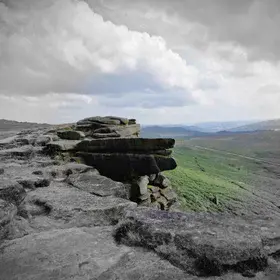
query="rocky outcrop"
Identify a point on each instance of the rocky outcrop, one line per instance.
(105, 127)
(65, 220)
(112, 147)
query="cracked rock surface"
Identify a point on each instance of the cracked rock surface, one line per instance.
(63, 220)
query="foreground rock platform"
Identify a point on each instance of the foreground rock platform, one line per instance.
(65, 220)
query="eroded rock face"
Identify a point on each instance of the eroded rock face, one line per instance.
(203, 244)
(112, 147)
(124, 167)
(71, 135)
(80, 253)
(12, 192)
(62, 220)
(71, 207)
(127, 145)
(7, 214)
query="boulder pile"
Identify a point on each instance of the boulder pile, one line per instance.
(111, 145)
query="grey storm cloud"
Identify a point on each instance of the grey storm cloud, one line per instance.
(252, 23)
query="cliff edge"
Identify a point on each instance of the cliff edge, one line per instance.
(89, 201)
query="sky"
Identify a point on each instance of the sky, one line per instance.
(159, 61)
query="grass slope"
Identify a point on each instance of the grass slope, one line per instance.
(207, 181)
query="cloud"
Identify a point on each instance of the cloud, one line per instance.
(158, 61)
(63, 46)
(252, 24)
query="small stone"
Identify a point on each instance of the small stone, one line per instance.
(143, 184)
(43, 140)
(105, 135)
(152, 177)
(154, 189)
(169, 194)
(163, 203)
(144, 197)
(2, 171)
(162, 181)
(155, 196)
(155, 205)
(71, 135)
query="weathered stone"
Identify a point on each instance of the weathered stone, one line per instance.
(162, 152)
(104, 130)
(154, 189)
(155, 196)
(18, 228)
(121, 167)
(152, 177)
(7, 214)
(34, 182)
(144, 197)
(162, 181)
(98, 185)
(155, 205)
(43, 140)
(202, 244)
(125, 145)
(49, 255)
(90, 126)
(2, 171)
(12, 192)
(70, 207)
(61, 171)
(127, 130)
(24, 152)
(169, 194)
(122, 120)
(53, 148)
(105, 135)
(163, 202)
(8, 143)
(131, 121)
(142, 184)
(102, 120)
(71, 134)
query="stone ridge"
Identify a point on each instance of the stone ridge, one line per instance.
(61, 219)
(125, 157)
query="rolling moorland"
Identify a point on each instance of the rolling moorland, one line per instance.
(236, 173)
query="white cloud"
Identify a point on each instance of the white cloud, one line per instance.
(62, 60)
(59, 47)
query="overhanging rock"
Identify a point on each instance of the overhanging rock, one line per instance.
(123, 167)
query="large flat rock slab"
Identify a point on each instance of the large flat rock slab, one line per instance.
(71, 207)
(80, 254)
(120, 145)
(121, 167)
(202, 244)
(98, 185)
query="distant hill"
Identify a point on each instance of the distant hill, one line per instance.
(212, 127)
(258, 126)
(7, 125)
(169, 131)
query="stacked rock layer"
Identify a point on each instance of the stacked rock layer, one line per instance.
(111, 145)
